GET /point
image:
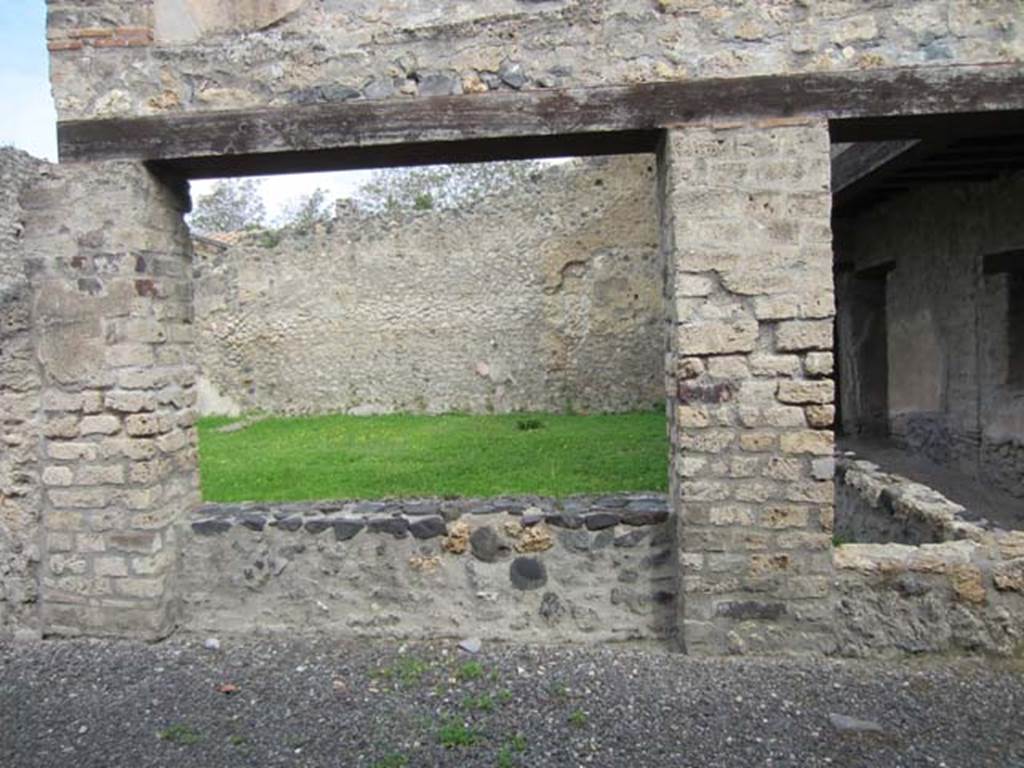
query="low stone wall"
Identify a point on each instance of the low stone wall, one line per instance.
(879, 507)
(959, 590)
(526, 569)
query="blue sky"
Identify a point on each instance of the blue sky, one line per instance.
(28, 120)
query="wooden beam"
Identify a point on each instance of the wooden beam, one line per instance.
(862, 104)
(865, 159)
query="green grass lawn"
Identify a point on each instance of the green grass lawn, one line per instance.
(366, 457)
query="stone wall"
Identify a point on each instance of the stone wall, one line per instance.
(109, 259)
(950, 393)
(582, 569)
(19, 406)
(745, 225)
(133, 57)
(546, 297)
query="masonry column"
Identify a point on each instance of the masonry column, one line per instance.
(110, 262)
(745, 216)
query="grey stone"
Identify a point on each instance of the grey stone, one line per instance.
(396, 526)
(417, 508)
(254, 522)
(486, 545)
(369, 507)
(317, 525)
(565, 520)
(603, 539)
(628, 576)
(291, 524)
(470, 645)
(511, 73)
(346, 529)
(647, 515)
(631, 539)
(379, 89)
(439, 85)
(847, 724)
(211, 526)
(428, 527)
(576, 541)
(656, 559)
(527, 573)
(551, 608)
(600, 520)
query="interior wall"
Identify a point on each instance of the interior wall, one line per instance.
(545, 297)
(951, 395)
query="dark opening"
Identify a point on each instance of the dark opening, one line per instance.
(1015, 329)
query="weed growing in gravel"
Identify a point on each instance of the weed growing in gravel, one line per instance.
(558, 691)
(392, 761)
(483, 703)
(577, 718)
(408, 670)
(181, 733)
(237, 740)
(504, 696)
(515, 745)
(455, 733)
(471, 670)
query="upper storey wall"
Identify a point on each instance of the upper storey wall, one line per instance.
(138, 57)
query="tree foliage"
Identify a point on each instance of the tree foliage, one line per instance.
(232, 205)
(441, 187)
(306, 211)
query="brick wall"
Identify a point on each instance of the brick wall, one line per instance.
(745, 221)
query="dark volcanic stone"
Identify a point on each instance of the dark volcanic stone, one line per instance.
(290, 523)
(603, 539)
(565, 520)
(599, 520)
(486, 545)
(417, 508)
(346, 529)
(317, 525)
(644, 516)
(210, 527)
(428, 527)
(527, 573)
(396, 526)
(254, 522)
(369, 507)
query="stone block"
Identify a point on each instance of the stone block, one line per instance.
(800, 335)
(717, 338)
(802, 392)
(816, 442)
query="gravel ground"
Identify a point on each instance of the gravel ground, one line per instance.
(299, 702)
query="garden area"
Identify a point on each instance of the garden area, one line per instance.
(454, 455)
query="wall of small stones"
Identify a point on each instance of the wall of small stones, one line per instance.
(554, 291)
(581, 569)
(913, 576)
(133, 57)
(20, 500)
(951, 395)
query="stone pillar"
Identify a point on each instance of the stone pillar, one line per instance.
(745, 217)
(110, 264)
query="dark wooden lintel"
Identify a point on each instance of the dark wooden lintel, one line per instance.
(861, 105)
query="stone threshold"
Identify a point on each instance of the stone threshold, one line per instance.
(426, 518)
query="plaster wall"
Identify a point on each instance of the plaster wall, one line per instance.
(136, 57)
(950, 394)
(20, 498)
(549, 296)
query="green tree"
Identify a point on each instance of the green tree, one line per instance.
(232, 205)
(304, 212)
(442, 187)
